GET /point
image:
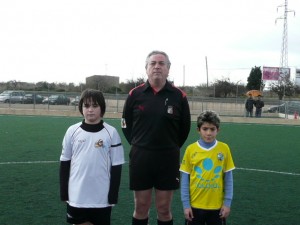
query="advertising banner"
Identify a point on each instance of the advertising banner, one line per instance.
(297, 80)
(275, 73)
(284, 72)
(270, 73)
(298, 73)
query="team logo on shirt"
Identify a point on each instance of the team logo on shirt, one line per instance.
(170, 109)
(141, 107)
(99, 143)
(194, 154)
(208, 166)
(220, 156)
(123, 123)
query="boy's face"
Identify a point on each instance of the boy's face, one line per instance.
(208, 132)
(91, 112)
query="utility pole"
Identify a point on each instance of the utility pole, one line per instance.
(183, 83)
(206, 71)
(105, 69)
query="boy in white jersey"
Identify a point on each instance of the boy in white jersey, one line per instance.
(206, 175)
(91, 164)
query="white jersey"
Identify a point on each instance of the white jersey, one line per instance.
(92, 154)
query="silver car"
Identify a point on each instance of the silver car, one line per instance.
(12, 96)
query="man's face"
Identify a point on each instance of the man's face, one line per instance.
(157, 68)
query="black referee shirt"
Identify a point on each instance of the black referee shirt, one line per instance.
(156, 121)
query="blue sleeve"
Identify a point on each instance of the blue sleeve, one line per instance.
(228, 188)
(185, 190)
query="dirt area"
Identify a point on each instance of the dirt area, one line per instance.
(65, 111)
(115, 109)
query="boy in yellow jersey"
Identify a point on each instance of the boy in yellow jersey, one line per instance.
(206, 175)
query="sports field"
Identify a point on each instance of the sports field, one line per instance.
(266, 181)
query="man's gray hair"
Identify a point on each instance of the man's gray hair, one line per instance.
(156, 52)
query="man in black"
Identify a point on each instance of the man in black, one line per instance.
(259, 104)
(249, 106)
(156, 122)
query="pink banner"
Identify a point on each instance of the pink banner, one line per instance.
(270, 73)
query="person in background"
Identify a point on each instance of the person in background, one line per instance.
(206, 175)
(156, 122)
(91, 164)
(249, 106)
(259, 104)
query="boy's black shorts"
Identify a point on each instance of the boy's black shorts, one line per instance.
(97, 216)
(158, 169)
(203, 216)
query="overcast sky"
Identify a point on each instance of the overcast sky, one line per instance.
(69, 40)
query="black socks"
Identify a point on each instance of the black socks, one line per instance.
(145, 222)
(165, 222)
(139, 222)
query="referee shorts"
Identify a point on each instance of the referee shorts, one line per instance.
(158, 169)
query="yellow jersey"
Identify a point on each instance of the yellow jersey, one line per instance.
(206, 168)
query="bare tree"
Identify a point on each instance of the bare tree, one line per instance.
(282, 88)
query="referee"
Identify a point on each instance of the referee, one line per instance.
(156, 122)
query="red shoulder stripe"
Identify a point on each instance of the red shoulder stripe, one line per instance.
(141, 85)
(182, 92)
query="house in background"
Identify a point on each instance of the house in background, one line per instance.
(102, 82)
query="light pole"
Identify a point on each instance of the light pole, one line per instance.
(98, 85)
(237, 90)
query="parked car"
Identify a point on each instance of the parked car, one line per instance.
(57, 100)
(275, 108)
(33, 99)
(12, 96)
(4, 97)
(75, 101)
(289, 107)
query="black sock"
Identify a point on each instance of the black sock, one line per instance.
(139, 222)
(170, 222)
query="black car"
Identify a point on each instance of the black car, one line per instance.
(57, 100)
(33, 99)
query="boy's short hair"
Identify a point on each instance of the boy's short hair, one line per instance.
(208, 116)
(96, 96)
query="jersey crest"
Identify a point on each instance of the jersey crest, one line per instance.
(99, 143)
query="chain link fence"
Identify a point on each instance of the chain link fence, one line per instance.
(234, 107)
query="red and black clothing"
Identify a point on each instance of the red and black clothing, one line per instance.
(157, 121)
(156, 124)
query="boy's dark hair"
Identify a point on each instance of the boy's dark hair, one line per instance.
(96, 96)
(208, 116)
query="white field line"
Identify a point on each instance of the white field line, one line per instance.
(28, 162)
(269, 171)
(240, 168)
